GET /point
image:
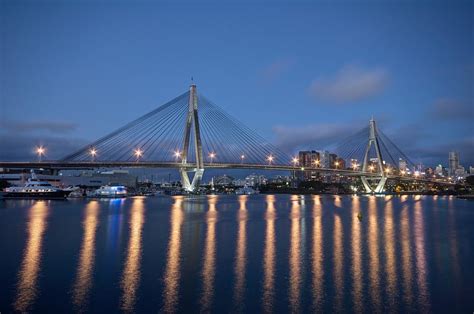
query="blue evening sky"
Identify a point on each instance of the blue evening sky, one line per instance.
(303, 74)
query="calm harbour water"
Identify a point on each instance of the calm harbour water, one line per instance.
(259, 253)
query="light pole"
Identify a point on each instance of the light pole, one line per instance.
(93, 153)
(40, 151)
(242, 157)
(270, 159)
(177, 155)
(295, 162)
(212, 156)
(138, 154)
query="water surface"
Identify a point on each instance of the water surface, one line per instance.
(262, 253)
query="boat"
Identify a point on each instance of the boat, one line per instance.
(246, 190)
(36, 189)
(110, 191)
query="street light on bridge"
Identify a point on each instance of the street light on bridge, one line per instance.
(270, 159)
(242, 157)
(177, 154)
(317, 163)
(371, 168)
(212, 156)
(294, 161)
(138, 153)
(40, 150)
(93, 153)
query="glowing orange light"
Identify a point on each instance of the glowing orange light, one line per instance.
(138, 153)
(295, 160)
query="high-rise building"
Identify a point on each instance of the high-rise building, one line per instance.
(453, 162)
(402, 165)
(332, 161)
(439, 170)
(308, 159)
(339, 163)
(325, 159)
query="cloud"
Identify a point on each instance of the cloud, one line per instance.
(452, 110)
(350, 84)
(20, 147)
(276, 69)
(18, 139)
(292, 139)
(48, 126)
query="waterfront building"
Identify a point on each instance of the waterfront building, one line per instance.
(339, 163)
(453, 159)
(307, 159)
(439, 171)
(255, 180)
(402, 165)
(223, 180)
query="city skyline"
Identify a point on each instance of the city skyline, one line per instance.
(413, 72)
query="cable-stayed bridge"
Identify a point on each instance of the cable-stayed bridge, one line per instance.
(191, 133)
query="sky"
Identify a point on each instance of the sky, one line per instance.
(302, 74)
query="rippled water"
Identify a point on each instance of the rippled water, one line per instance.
(259, 253)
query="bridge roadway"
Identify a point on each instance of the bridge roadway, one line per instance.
(83, 165)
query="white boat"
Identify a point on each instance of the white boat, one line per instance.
(246, 190)
(111, 191)
(36, 189)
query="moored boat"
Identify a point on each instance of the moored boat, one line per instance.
(36, 189)
(110, 191)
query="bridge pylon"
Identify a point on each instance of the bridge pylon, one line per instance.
(192, 125)
(373, 141)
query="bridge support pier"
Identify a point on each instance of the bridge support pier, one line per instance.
(373, 140)
(192, 124)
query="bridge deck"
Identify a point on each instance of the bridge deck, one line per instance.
(83, 165)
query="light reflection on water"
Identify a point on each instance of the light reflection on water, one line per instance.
(83, 281)
(357, 272)
(280, 253)
(374, 257)
(131, 273)
(31, 264)
(240, 254)
(317, 256)
(390, 264)
(209, 256)
(172, 272)
(269, 255)
(421, 267)
(295, 258)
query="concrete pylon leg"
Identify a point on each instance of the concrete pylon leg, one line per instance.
(192, 124)
(366, 185)
(373, 140)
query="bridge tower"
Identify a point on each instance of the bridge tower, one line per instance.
(192, 125)
(373, 141)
